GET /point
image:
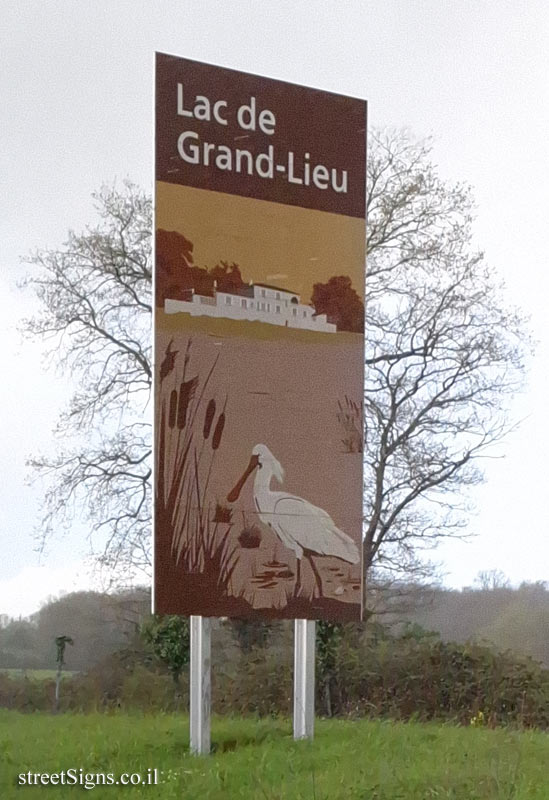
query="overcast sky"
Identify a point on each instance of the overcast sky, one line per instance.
(76, 89)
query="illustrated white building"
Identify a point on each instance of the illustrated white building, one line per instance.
(257, 302)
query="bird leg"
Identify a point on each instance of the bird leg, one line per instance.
(297, 590)
(318, 579)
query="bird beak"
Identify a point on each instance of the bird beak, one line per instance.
(234, 494)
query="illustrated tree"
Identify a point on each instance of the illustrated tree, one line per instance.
(443, 350)
(227, 277)
(340, 302)
(176, 274)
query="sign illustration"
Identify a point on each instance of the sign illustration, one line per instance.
(259, 326)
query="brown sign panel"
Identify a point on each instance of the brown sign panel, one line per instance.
(259, 276)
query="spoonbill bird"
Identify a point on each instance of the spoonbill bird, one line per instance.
(302, 527)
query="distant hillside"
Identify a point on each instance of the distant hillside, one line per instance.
(98, 623)
(514, 619)
(101, 624)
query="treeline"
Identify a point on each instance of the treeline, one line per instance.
(514, 619)
(123, 658)
(99, 624)
(176, 272)
(362, 670)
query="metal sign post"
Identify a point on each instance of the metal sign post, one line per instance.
(200, 685)
(304, 678)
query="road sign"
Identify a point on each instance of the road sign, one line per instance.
(259, 326)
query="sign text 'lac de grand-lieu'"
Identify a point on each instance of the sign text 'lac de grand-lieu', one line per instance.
(259, 325)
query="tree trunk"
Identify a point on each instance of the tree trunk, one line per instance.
(328, 696)
(57, 687)
(176, 689)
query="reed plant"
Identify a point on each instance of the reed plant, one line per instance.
(350, 416)
(190, 432)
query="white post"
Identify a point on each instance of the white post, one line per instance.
(200, 685)
(304, 678)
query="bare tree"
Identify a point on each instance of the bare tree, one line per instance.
(443, 351)
(95, 295)
(489, 580)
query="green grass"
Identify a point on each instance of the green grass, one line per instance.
(37, 674)
(258, 759)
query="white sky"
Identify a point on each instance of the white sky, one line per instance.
(76, 105)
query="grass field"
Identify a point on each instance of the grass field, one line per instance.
(258, 759)
(222, 327)
(37, 674)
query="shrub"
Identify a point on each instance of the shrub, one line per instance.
(419, 676)
(362, 670)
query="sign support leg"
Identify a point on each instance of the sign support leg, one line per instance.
(200, 685)
(304, 678)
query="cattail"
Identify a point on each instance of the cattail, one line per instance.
(169, 361)
(173, 408)
(218, 432)
(208, 419)
(186, 394)
(223, 514)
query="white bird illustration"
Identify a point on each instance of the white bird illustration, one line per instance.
(302, 527)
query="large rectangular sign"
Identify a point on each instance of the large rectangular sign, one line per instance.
(259, 325)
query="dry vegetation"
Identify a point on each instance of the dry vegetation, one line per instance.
(193, 533)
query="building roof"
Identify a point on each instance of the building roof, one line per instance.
(247, 290)
(276, 288)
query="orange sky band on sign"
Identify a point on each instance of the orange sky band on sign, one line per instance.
(260, 239)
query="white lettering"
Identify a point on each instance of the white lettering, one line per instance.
(180, 105)
(321, 176)
(268, 172)
(202, 108)
(188, 153)
(267, 121)
(306, 170)
(224, 159)
(207, 150)
(343, 185)
(291, 177)
(217, 113)
(239, 155)
(250, 112)
(262, 165)
(72, 777)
